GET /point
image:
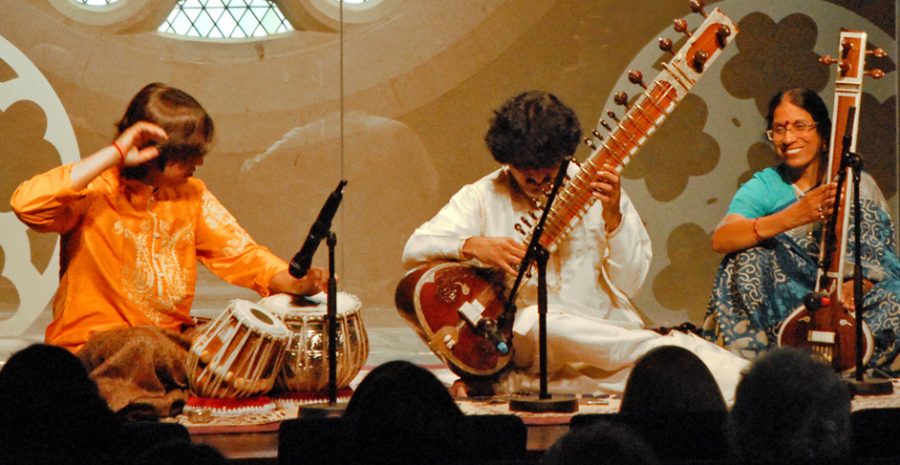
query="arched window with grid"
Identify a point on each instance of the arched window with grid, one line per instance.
(225, 19)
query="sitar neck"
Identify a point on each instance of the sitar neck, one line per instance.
(642, 118)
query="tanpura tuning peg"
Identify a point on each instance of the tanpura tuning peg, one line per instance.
(682, 26)
(846, 46)
(612, 115)
(590, 143)
(596, 134)
(605, 125)
(621, 99)
(829, 60)
(635, 77)
(697, 7)
(666, 45)
(875, 73)
(877, 53)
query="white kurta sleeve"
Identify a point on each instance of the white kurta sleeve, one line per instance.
(441, 238)
(629, 254)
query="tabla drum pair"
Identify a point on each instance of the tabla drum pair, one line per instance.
(239, 353)
(305, 366)
(249, 347)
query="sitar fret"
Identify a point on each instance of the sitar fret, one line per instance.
(575, 198)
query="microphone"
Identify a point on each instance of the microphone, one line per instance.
(303, 259)
(488, 328)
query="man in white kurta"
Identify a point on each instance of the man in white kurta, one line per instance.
(594, 334)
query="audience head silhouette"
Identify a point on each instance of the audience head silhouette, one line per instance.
(401, 413)
(51, 411)
(180, 452)
(790, 407)
(671, 379)
(600, 443)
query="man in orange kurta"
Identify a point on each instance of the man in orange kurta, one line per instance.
(129, 251)
(133, 224)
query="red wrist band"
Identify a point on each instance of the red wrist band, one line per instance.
(121, 152)
(755, 231)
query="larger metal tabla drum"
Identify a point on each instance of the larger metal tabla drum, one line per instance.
(305, 366)
(239, 353)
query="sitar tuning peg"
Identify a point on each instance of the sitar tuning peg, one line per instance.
(722, 35)
(700, 59)
(605, 125)
(635, 77)
(590, 143)
(666, 45)
(875, 73)
(621, 99)
(697, 7)
(596, 134)
(612, 115)
(682, 26)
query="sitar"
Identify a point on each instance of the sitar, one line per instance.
(460, 310)
(821, 323)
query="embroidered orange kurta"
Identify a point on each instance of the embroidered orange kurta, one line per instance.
(129, 252)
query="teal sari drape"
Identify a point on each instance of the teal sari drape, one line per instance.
(757, 288)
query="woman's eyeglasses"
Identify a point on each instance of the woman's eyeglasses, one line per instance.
(799, 128)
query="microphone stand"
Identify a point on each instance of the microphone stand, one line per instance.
(333, 407)
(544, 402)
(859, 385)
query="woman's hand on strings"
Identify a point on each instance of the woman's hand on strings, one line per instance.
(817, 204)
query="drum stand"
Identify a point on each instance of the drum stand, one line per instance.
(544, 401)
(332, 408)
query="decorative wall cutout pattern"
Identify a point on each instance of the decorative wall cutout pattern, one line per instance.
(25, 93)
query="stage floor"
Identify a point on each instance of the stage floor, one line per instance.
(255, 440)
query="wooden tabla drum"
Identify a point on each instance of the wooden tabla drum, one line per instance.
(305, 366)
(239, 353)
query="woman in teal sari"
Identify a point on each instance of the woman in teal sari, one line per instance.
(771, 236)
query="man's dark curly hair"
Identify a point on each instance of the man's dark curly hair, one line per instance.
(533, 130)
(790, 407)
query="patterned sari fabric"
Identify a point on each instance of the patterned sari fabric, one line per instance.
(757, 288)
